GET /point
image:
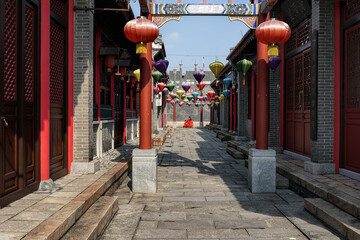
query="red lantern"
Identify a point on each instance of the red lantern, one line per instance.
(121, 72)
(140, 31)
(132, 81)
(109, 62)
(273, 32)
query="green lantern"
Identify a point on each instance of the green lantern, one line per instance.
(170, 86)
(157, 76)
(244, 66)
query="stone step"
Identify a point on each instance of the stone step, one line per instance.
(232, 144)
(339, 220)
(281, 182)
(235, 153)
(339, 198)
(92, 224)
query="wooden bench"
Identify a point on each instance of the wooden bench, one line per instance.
(159, 141)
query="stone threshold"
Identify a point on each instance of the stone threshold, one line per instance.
(55, 226)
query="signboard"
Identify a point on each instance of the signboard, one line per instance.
(313, 85)
(295, 11)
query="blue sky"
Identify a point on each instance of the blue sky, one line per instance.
(195, 37)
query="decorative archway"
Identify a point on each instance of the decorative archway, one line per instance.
(164, 12)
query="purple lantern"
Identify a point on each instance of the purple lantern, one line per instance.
(165, 91)
(161, 65)
(189, 103)
(274, 62)
(186, 87)
(173, 96)
(199, 76)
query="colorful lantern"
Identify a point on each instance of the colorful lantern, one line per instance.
(203, 104)
(168, 100)
(200, 98)
(273, 33)
(244, 66)
(121, 72)
(189, 103)
(181, 103)
(201, 86)
(173, 96)
(161, 86)
(180, 93)
(137, 74)
(217, 103)
(186, 100)
(216, 67)
(274, 62)
(226, 93)
(186, 87)
(141, 31)
(189, 98)
(173, 102)
(183, 96)
(195, 94)
(177, 100)
(161, 65)
(227, 81)
(156, 90)
(211, 93)
(132, 81)
(165, 91)
(170, 86)
(157, 76)
(109, 62)
(199, 76)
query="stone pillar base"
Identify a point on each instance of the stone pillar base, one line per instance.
(201, 125)
(262, 170)
(144, 170)
(48, 186)
(174, 124)
(319, 168)
(85, 167)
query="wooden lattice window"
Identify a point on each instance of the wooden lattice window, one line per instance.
(351, 10)
(29, 54)
(299, 37)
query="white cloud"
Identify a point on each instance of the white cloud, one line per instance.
(174, 36)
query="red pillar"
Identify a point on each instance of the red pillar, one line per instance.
(201, 114)
(97, 69)
(145, 96)
(124, 112)
(45, 90)
(70, 82)
(235, 110)
(112, 92)
(231, 113)
(132, 102)
(136, 102)
(262, 94)
(252, 104)
(174, 115)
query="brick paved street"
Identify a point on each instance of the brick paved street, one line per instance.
(203, 194)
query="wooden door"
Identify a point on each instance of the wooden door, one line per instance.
(298, 104)
(19, 115)
(352, 98)
(58, 86)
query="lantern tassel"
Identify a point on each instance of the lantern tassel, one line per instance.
(244, 80)
(141, 48)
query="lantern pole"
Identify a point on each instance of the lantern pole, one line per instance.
(144, 160)
(262, 161)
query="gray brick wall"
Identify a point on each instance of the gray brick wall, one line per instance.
(243, 104)
(274, 108)
(83, 82)
(107, 129)
(323, 21)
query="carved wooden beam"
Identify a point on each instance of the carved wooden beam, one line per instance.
(267, 5)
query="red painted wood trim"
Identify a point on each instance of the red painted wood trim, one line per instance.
(112, 92)
(235, 110)
(337, 88)
(231, 113)
(45, 90)
(174, 117)
(132, 102)
(97, 69)
(124, 112)
(282, 88)
(70, 127)
(136, 102)
(252, 104)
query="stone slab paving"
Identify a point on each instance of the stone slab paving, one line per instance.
(20, 217)
(203, 194)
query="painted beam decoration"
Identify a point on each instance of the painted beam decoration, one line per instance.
(246, 13)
